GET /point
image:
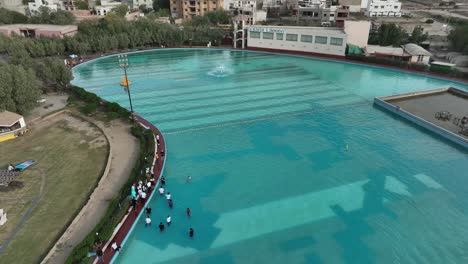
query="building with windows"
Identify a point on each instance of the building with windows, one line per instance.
(33, 7)
(245, 10)
(313, 40)
(354, 6)
(188, 9)
(378, 8)
(418, 54)
(321, 11)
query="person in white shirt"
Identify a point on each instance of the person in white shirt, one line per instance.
(147, 221)
(161, 190)
(143, 195)
(168, 220)
(115, 246)
(168, 196)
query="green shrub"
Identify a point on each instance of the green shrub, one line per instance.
(429, 21)
(112, 115)
(89, 108)
(120, 203)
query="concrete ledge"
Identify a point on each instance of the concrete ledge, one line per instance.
(457, 139)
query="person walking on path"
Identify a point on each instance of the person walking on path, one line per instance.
(163, 181)
(189, 179)
(99, 255)
(147, 221)
(189, 212)
(161, 191)
(168, 195)
(170, 203)
(161, 226)
(191, 232)
(168, 220)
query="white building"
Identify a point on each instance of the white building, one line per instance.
(318, 40)
(377, 8)
(106, 7)
(34, 6)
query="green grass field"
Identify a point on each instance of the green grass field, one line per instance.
(71, 157)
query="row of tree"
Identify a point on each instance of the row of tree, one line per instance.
(43, 16)
(393, 35)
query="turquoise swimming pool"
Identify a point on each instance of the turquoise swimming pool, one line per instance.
(264, 138)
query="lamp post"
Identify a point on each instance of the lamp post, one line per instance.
(123, 63)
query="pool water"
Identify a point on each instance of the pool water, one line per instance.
(264, 138)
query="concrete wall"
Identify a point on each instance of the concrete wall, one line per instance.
(423, 123)
(312, 47)
(357, 32)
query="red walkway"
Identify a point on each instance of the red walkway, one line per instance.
(132, 216)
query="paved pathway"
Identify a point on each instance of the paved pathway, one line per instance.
(124, 151)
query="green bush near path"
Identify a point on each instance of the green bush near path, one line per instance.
(119, 205)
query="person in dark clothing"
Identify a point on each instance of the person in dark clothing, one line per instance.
(191, 232)
(161, 226)
(189, 212)
(170, 203)
(163, 180)
(148, 210)
(99, 255)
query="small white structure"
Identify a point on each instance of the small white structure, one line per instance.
(319, 40)
(378, 8)
(11, 125)
(3, 217)
(34, 6)
(418, 54)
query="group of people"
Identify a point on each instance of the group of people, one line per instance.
(170, 203)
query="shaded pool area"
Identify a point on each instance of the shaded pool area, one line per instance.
(264, 138)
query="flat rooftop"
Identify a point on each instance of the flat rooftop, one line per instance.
(428, 104)
(40, 26)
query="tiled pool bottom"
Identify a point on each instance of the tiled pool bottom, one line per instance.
(272, 181)
(286, 190)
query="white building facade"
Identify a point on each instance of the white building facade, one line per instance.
(319, 40)
(386, 8)
(33, 7)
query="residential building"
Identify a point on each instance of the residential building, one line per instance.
(321, 11)
(354, 6)
(188, 9)
(68, 5)
(313, 40)
(33, 7)
(410, 53)
(377, 8)
(418, 54)
(246, 10)
(14, 5)
(36, 30)
(105, 7)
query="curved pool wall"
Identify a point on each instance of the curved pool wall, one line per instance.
(264, 137)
